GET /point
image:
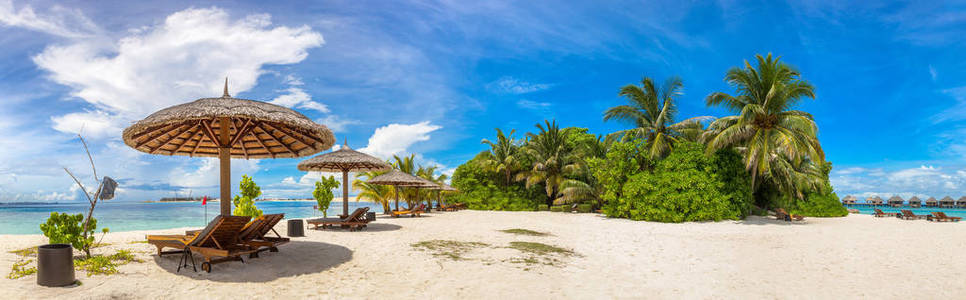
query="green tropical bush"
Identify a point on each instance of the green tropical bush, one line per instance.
(557, 208)
(245, 204)
(685, 186)
(542, 207)
(63, 228)
(323, 193)
(585, 208)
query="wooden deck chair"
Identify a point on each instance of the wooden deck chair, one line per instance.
(781, 214)
(909, 215)
(218, 239)
(256, 236)
(939, 216)
(879, 214)
(354, 221)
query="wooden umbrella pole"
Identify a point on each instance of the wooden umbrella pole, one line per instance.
(397, 197)
(224, 158)
(345, 192)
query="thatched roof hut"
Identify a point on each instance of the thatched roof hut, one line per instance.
(932, 201)
(961, 201)
(227, 127)
(344, 160)
(849, 199)
(914, 201)
(896, 200)
(874, 200)
(947, 201)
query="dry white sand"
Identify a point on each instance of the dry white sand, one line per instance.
(854, 257)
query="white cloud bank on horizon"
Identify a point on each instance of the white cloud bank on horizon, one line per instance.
(184, 58)
(924, 181)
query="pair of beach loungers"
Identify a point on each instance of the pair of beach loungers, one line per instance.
(906, 214)
(225, 239)
(412, 212)
(354, 221)
(781, 214)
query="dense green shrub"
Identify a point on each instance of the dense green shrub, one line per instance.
(62, 228)
(585, 208)
(542, 207)
(557, 208)
(821, 203)
(687, 185)
(323, 193)
(245, 204)
(484, 190)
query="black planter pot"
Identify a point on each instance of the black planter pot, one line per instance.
(295, 228)
(55, 265)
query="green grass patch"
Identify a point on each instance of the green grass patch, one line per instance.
(20, 269)
(521, 231)
(30, 251)
(540, 249)
(445, 248)
(98, 245)
(105, 265)
(138, 242)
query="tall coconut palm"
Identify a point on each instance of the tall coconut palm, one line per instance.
(376, 193)
(503, 152)
(651, 110)
(429, 173)
(551, 159)
(766, 130)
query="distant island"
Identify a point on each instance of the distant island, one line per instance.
(29, 203)
(198, 199)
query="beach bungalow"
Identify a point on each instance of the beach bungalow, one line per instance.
(915, 202)
(874, 201)
(961, 202)
(849, 200)
(932, 202)
(947, 202)
(896, 201)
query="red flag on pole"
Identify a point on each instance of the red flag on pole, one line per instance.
(204, 201)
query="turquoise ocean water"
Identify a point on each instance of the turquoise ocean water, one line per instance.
(128, 216)
(952, 212)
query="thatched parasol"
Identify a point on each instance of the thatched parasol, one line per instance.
(399, 178)
(344, 160)
(440, 188)
(228, 127)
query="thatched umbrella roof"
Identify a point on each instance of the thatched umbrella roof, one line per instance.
(896, 199)
(228, 127)
(344, 160)
(443, 187)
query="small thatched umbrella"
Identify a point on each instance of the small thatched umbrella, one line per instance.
(399, 178)
(440, 188)
(915, 202)
(947, 202)
(932, 202)
(874, 200)
(896, 201)
(849, 200)
(227, 127)
(344, 160)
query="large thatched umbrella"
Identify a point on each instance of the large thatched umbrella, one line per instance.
(228, 127)
(399, 178)
(344, 160)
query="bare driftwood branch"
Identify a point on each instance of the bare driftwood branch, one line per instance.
(89, 157)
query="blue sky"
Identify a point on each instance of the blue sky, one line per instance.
(433, 78)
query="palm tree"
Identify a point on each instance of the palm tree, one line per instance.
(651, 110)
(551, 159)
(407, 165)
(773, 138)
(503, 159)
(428, 173)
(381, 194)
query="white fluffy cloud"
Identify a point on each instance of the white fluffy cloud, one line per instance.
(184, 58)
(510, 85)
(396, 138)
(296, 97)
(59, 21)
(336, 123)
(924, 181)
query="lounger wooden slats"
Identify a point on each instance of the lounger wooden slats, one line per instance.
(879, 214)
(939, 216)
(256, 236)
(222, 244)
(908, 215)
(354, 221)
(412, 212)
(781, 214)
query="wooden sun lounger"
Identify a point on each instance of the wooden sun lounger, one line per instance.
(908, 215)
(879, 214)
(255, 235)
(781, 214)
(218, 242)
(411, 212)
(354, 221)
(939, 216)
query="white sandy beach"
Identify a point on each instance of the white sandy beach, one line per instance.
(854, 257)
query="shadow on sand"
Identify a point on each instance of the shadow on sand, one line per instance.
(759, 220)
(372, 227)
(294, 258)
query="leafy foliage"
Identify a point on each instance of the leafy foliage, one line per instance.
(245, 204)
(323, 193)
(480, 188)
(381, 194)
(20, 269)
(63, 228)
(685, 186)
